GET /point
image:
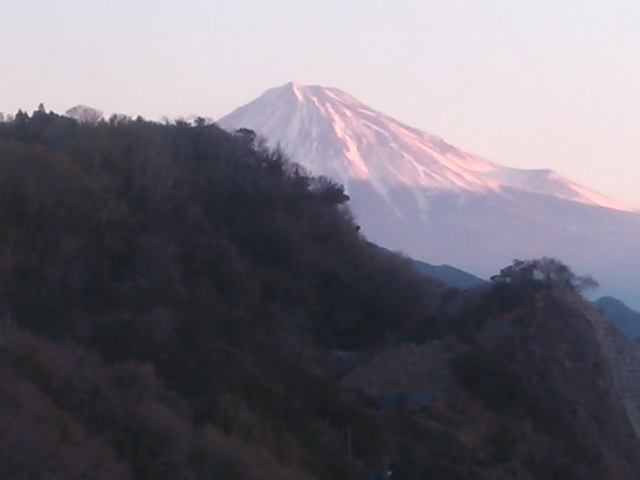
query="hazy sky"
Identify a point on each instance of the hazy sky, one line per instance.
(526, 83)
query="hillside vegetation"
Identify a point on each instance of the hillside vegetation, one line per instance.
(178, 302)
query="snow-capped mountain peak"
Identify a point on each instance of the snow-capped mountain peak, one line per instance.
(333, 134)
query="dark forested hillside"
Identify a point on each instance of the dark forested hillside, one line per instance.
(181, 302)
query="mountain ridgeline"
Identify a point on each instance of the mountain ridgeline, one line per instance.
(177, 301)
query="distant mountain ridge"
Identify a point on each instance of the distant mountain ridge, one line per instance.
(452, 276)
(625, 318)
(414, 192)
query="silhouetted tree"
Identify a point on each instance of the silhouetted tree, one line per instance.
(545, 271)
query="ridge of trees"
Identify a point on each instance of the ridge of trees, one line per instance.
(171, 297)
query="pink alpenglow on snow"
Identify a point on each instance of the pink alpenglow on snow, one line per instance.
(333, 134)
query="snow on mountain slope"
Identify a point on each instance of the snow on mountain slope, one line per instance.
(416, 193)
(333, 134)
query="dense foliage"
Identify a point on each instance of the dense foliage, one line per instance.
(172, 301)
(191, 261)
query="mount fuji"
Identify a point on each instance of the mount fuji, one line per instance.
(416, 193)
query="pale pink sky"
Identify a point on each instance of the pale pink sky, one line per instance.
(527, 84)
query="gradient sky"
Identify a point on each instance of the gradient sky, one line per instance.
(527, 83)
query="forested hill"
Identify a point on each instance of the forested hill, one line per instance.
(178, 302)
